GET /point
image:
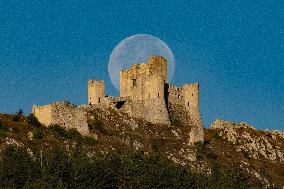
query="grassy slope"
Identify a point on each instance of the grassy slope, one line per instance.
(118, 132)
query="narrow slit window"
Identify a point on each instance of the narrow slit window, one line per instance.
(99, 100)
(134, 82)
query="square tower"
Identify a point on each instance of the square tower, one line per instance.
(96, 91)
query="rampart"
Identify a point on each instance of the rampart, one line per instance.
(64, 114)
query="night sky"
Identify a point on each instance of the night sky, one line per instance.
(234, 49)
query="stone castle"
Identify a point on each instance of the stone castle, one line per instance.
(144, 94)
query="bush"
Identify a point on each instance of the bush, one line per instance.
(73, 133)
(233, 177)
(200, 149)
(58, 130)
(97, 125)
(38, 133)
(156, 145)
(90, 140)
(175, 122)
(32, 120)
(216, 135)
(2, 134)
(17, 168)
(282, 172)
(18, 116)
(62, 169)
(2, 126)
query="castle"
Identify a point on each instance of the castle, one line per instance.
(144, 93)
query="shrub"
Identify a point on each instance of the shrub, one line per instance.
(97, 125)
(175, 122)
(282, 172)
(58, 130)
(200, 149)
(18, 116)
(32, 120)
(73, 133)
(216, 135)
(16, 167)
(156, 145)
(38, 133)
(1, 124)
(90, 140)
(2, 134)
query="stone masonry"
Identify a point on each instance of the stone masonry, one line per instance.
(64, 114)
(144, 94)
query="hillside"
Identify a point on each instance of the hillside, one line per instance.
(123, 152)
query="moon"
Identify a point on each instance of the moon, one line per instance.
(135, 50)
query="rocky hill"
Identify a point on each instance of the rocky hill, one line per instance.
(248, 157)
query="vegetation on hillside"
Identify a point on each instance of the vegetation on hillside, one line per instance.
(33, 156)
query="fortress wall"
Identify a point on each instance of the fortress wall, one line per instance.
(151, 110)
(96, 91)
(155, 87)
(125, 84)
(43, 114)
(64, 114)
(196, 134)
(70, 116)
(175, 94)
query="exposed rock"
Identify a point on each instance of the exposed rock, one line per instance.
(255, 143)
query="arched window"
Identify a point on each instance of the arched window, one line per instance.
(158, 95)
(99, 100)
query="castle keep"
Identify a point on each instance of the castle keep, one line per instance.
(144, 94)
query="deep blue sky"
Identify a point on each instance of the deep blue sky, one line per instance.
(234, 49)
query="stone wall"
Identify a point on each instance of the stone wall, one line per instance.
(183, 104)
(144, 84)
(43, 114)
(143, 81)
(151, 110)
(64, 114)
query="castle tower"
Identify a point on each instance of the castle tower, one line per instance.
(96, 91)
(144, 81)
(144, 84)
(191, 95)
(155, 82)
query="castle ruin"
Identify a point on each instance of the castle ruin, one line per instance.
(144, 94)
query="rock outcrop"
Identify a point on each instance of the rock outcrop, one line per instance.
(256, 144)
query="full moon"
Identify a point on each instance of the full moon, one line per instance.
(135, 50)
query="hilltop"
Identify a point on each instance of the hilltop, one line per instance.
(236, 154)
